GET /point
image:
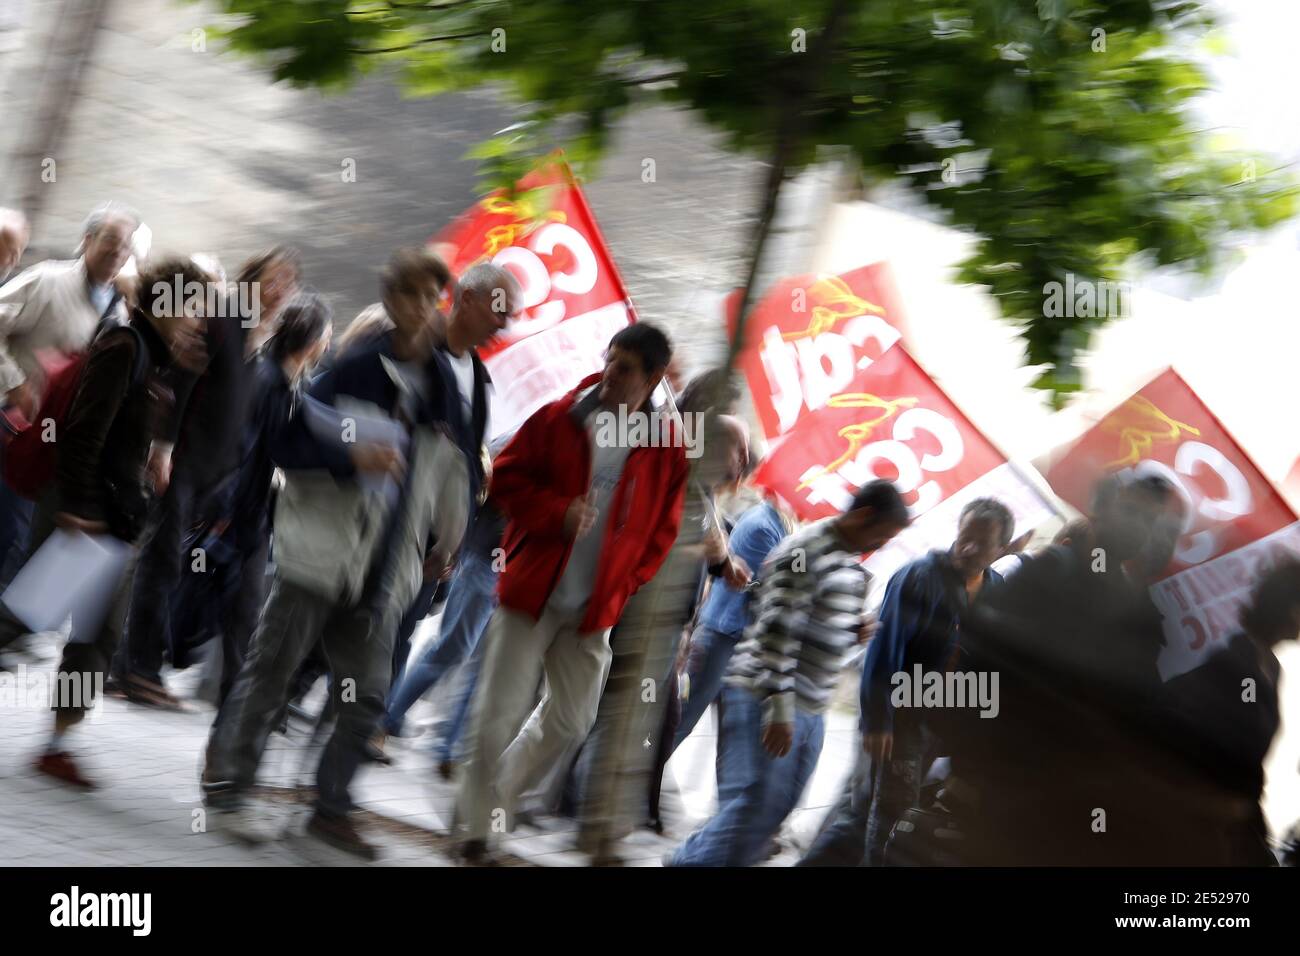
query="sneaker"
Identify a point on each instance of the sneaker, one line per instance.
(341, 833)
(141, 690)
(244, 825)
(62, 767)
(446, 769)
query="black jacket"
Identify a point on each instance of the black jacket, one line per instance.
(104, 444)
(271, 402)
(210, 408)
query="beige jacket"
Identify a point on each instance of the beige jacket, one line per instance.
(45, 307)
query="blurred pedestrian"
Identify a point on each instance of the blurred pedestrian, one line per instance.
(379, 462)
(809, 613)
(57, 304)
(593, 509)
(920, 626)
(101, 486)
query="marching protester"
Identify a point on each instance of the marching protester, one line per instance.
(101, 486)
(197, 453)
(917, 624)
(591, 516)
(485, 298)
(809, 613)
(614, 779)
(1070, 636)
(920, 627)
(381, 471)
(275, 384)
(57, 304)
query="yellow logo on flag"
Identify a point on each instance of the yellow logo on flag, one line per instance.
(1141, 429)
(833, 301)
(857, 434)
(528, 213)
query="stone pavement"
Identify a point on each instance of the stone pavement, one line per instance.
(147, 811)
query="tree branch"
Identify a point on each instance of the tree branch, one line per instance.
(412, 46)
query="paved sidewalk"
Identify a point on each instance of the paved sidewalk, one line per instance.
(148, 812)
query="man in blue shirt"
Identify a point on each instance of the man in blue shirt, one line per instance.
(920, 624)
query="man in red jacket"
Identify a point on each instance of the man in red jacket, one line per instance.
(592, 486)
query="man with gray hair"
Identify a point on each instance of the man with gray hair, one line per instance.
(57, 304)
(487, 297)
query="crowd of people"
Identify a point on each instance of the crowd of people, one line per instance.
(304, 501)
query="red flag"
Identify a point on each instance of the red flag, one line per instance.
(572, 295)
(809, 338)
(1164, 428)
(1235, 517)
(894, 422)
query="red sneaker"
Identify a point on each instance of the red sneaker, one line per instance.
(61, 766)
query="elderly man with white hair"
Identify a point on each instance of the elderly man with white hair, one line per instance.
(58, 304)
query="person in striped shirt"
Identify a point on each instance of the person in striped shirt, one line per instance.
(809, 613)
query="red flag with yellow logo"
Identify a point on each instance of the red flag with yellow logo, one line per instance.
(809, 338)
(893, 422)
(1235, 519)
(573, 299)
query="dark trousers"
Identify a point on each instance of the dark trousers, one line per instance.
(157, 578)
(359, 649)
(240, 616)
(898, 784)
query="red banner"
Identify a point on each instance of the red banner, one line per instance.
(1164, 428)
(1236, 520)
(894, 422)
(811, 336)
(572, 295)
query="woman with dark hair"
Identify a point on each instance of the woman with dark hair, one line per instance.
(244, 535)
(266, 282)
(1229, 713)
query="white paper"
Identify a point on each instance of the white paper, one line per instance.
(72, 574)
(327, 424)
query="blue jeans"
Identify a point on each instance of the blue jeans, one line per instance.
(706, 665)
(471, 600)
(15, 531)
(448, 747)
(756, 791)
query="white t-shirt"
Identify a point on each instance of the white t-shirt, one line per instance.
(574, 587)
(462, 367)
(417, 387)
